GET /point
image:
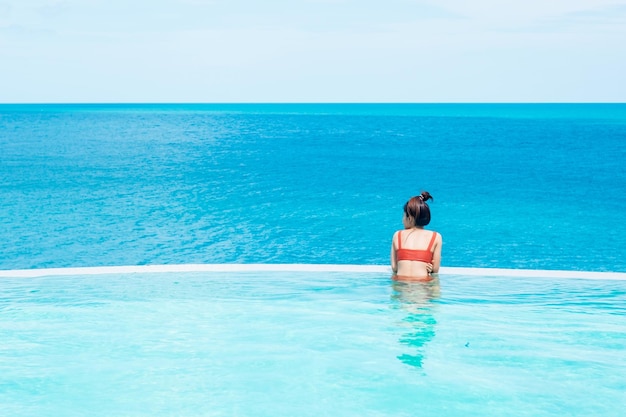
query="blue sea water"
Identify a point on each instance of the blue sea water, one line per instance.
(539, 186)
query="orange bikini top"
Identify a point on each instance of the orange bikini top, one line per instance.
(422, 255)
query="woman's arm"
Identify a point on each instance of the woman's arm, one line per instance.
(394, 262)
(437, 254)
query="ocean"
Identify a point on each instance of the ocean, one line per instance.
(524, 186)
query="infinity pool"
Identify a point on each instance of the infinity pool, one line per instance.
(306, 343)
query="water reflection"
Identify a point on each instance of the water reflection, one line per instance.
(416, 299)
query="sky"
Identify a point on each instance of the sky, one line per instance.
(210, 51)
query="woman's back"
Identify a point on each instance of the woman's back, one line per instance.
(415, 250)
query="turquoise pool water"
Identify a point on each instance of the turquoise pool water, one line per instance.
(293, 342)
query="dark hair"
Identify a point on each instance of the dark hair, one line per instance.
(417, 208)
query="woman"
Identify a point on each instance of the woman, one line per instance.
(416, 252)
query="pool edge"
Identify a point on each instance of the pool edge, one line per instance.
(102, 270)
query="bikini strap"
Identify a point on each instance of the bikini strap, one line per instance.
(432, 240)
(399, 239)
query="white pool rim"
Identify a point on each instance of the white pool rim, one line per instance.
(103, 270)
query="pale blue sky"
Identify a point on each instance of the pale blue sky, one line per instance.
(312, 51)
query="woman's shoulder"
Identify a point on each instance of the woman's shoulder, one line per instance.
(397, 233)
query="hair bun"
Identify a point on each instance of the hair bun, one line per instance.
(426, 196)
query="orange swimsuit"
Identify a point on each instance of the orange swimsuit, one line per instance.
(422, 255)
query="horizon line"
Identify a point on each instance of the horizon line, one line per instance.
(305, 102)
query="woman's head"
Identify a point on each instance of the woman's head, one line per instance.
(416, 211)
